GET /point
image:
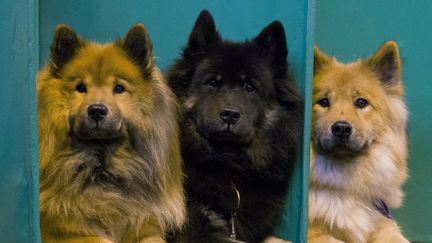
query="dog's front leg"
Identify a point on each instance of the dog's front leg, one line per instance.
(150, 232)
(89, 239)
(153, 239)
(273, 239)
(325, 239)
(317, 234)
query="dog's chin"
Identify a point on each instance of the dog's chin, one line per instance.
(87, 130)
(227, 137)
(341, 149)
(98, 135)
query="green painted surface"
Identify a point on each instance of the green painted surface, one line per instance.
(169, 24)
(350, 29)
(19, 183)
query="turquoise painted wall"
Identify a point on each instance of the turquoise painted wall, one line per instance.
(350, 29)
(19, 189)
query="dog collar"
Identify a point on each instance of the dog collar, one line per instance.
(381, 206)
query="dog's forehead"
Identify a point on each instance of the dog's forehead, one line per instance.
(239, 75)
(236, 54)
(344, 77)
(223, 68)
(102, 62)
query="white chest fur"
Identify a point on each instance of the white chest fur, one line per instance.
(342, 211)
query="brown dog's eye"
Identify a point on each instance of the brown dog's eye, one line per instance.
(118, 89)
(249, 88)
(81, 88)
(361, 103)
(324, 102)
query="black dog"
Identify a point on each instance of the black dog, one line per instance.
(241, 126)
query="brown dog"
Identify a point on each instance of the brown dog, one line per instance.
(359, 148)
(110, 165)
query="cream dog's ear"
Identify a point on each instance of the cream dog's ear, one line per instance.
(320, 59)
(387, 65)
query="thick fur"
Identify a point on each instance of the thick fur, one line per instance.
(255, 155)
(119, 180)
(349, 176)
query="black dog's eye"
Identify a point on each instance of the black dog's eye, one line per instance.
(361, 103)
(118, 89)
(249, 87)
(212, 83)
(324, 102)
(81, 88)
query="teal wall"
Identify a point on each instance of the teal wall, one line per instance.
(19, 197)
(350, 29)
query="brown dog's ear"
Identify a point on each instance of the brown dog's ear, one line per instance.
(386, 63)
(139, 47)
(64, 46)
(320, 59)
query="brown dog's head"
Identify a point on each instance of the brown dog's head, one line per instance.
(104, 84)
(108, 128)
(350, 101)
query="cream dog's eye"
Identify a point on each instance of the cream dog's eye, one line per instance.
(324, 102)
(361, 103)
(118, 89)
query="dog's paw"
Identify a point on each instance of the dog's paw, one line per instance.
(325, 239)
(272, 239)
(393, 237)
(153, 239)
(387, 231)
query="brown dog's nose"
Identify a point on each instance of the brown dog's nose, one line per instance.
(341, 129)
(97, 112)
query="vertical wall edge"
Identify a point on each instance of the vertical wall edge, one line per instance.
(32, 67)
(310, 40)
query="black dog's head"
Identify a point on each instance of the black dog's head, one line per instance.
(231, 89)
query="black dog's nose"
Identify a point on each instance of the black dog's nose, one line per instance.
(97, 112)
(341, 129)
(230, 116)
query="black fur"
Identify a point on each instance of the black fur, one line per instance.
(255, 155)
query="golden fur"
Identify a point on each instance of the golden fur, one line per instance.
(344, 185)
(139, 194)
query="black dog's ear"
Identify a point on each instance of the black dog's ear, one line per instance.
(139, 47)
(386, 63)
(64, 46)
(272, 43)
(203, 33)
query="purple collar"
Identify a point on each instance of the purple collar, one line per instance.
(381, 206)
